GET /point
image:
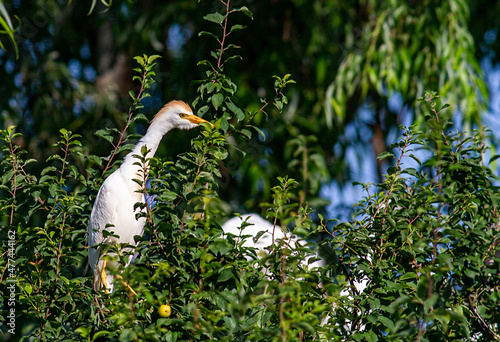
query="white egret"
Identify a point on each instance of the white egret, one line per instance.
(114, 206)
(257, 224)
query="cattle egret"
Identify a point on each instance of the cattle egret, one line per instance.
(113, 209)
(256, 225)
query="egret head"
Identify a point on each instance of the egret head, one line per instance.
(176, 114)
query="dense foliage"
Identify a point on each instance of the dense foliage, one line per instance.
(426, 241)
(418, 261)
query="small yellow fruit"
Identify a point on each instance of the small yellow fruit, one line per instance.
(165, 310)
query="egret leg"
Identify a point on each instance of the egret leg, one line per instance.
(131, 290)
(104, 278)
(104, 281)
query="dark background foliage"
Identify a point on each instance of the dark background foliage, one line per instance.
(349, 57)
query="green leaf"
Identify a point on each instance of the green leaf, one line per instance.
(446, 105)
(8, 28)
(429, 303)
(206, 33)
(225, 274)
(217, 100)
(408, 275)
(245, 11)
(233, 46)
(384, 155)
(370, 336)
(391, 222)
(246, 133)
(412, 156)
(168, 195)
(237, 27)
(470, 273)
(258, 235)
(411, 171)
(306, 327)
(100, 334)
(152, 58)
(144, 150)
(202, 111)
(206, 63)
(260, 132)
(236, 110)
(233, 57)
(105, 134)
(140, 117)
(492, 159)
(224, 124)
(139, 60)
(387, 322)
(215, 17)
(48, 169)
(132, 95)
(28, 289)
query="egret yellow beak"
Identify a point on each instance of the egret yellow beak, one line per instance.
(195, 119)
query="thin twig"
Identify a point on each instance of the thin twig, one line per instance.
(224, 35)
(282, 299)
(145, 171)
(59, 250)
(129, 120)
(261, 110)
(66, 152)
(485, 324)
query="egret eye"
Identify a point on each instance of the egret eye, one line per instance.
(182, 115)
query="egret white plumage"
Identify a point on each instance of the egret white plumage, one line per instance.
(257, 225)
(114, 206)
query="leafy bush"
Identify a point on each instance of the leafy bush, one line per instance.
(423, 241)
(426, 241)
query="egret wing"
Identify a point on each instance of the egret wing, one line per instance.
(103, 213)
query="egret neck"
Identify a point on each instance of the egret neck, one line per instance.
(151, 140)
